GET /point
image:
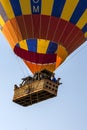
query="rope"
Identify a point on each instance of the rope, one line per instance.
(48, 27)
(55, 30)
(20, 65)
(63, 32)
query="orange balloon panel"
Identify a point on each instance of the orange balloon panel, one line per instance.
(37, 67)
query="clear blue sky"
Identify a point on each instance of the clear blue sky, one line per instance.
(68, 111)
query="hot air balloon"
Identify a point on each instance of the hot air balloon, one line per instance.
(43, 33)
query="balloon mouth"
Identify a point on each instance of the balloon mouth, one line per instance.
(41, 52)
(41, 46)
(37, 50)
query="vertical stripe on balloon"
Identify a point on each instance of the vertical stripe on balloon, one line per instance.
(46, 7)
(68, 9)
(25, 6)
(16, 7)
(83, 20)
(32, 45)
(36, 6)
(8, 8)
(58, 7)
(81, 7)
(42, 45)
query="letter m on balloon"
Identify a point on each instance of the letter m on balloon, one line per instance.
(35, 9)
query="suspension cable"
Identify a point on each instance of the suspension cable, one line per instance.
(81, 49)
(20, 64)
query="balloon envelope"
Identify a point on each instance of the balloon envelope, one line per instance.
(44, 32)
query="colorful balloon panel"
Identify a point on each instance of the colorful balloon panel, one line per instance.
(43, 33)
